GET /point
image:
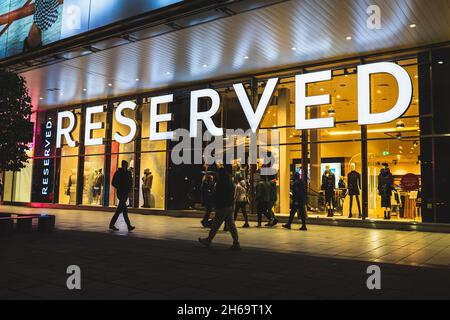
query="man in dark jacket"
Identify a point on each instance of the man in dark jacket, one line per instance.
(224, 198)
(298, 202)
(123, 182)
(273, 201)
(207, 190)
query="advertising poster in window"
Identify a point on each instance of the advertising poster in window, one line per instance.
(27, 25)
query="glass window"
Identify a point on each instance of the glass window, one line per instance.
(8, 192)
(396, 144)
(93, 180)
(153, 180)
(22, 183)
(68, 180)
(116, 163)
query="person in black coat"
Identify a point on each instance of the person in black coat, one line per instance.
(207, 190)
(224, 201)
(298, 203)
(262, 199)
(123, 182)
(385, 188)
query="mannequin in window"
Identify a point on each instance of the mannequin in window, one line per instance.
(98, 186)
(328, 185)
(72, 187)
(354, 187)
(385, 188)
(147, 183)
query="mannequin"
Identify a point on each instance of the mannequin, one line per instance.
(328, 185)
(385, 188)
(72, 187)
(354, 187)
(98, 186)
(147, 183)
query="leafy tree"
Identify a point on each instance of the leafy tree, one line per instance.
(16, 129)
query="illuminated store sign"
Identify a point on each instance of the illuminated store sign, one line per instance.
(254, 118)
(47, 161)
(44, 165)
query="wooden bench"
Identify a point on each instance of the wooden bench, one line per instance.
(24, 223)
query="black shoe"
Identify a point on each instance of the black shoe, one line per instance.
(274, 223)
(259, 225)
(236, 247)
(204, 242)
(303, 228)
(246, 225)
(350, 216)
(113, 228)
(131, 228)
(287, 226)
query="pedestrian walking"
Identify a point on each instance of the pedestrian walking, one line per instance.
(123, 182)
(298, 203)
(273, 201)
(241, 201)
(207, 194)
(224, 199)
(262, 201)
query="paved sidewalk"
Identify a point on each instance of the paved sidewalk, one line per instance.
(380, 246)
(34, 267)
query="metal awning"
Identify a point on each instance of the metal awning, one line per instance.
(287, 33)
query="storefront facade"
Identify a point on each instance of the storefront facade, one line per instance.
(412, 144)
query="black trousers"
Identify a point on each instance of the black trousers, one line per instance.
(271, 212)
(262, 208)
(298, 209)
(122, 208)
(208, 210)
(241, 206)
(357, 202)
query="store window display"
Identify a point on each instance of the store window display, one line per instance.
(153, 180)
(397, 144)
(93, 180)
(68, 180)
